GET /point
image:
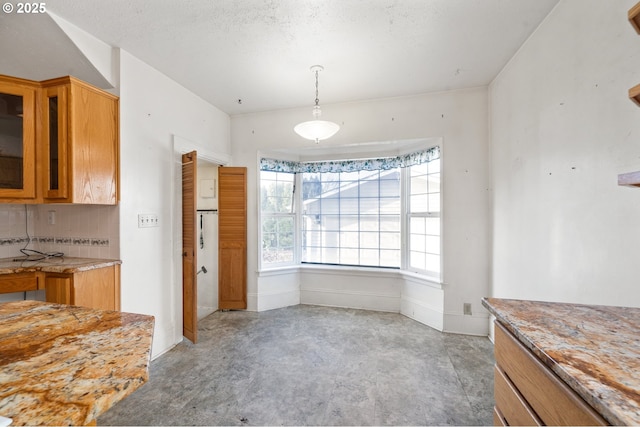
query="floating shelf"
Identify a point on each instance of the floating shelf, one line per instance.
(634, 17)
(630, 179)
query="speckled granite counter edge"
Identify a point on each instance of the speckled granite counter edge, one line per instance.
(508, 323)
(53, 265)
(596, 403)
(74, 269)
(78, 362)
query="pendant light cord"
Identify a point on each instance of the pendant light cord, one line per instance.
(317, 99)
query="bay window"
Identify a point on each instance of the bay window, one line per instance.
(366, 213)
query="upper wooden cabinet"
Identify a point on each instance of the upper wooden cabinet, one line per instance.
(79, 143)
(17, 139)
(76, 150)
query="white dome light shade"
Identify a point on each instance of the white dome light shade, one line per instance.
(316, 130)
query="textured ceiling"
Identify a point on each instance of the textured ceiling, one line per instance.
(260, 51)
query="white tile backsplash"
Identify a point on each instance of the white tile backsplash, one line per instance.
(79, 230)
(13, 234)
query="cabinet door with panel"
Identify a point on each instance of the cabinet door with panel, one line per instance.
(80, 143)
(17, 139)
(98, 288)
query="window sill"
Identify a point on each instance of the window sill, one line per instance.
(424, 279)
(344, 270)
(276, 271)
(419, 278)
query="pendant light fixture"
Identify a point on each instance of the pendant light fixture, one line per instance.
(316, 129)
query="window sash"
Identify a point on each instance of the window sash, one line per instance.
(355, 221)
(423, 224)
(278, 245)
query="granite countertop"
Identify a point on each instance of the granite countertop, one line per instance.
(594, 349)
(63, 264)
(66, 365)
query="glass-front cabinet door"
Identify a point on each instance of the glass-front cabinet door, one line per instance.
(54, 135)
(17, 139)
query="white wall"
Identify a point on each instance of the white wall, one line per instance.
(153, 109)
(562, 129)
(461, 119)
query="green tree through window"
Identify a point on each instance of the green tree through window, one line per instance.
(278, 221)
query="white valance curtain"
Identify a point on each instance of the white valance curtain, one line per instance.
(336, 166)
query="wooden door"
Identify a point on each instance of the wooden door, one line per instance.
(189, 260)
(232, 238)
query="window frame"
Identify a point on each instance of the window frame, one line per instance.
(278, 215)
(408, 214)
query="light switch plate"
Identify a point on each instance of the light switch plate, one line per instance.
(148, 220)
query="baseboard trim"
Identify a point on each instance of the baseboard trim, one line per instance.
(457, 323)
(277, 299)
(423, 313)
(351, 299)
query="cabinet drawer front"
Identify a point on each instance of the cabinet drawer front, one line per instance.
(18, 283)
(498, 419)
(551, 399)
(514, 409)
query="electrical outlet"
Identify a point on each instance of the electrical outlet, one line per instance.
(466, 307)
(51, 217)
(148, 220)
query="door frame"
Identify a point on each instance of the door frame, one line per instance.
(182, 146)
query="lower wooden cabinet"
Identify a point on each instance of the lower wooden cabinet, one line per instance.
(97, 288)
(527, 392)
(18, 282)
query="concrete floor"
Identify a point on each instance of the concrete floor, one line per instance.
(310, 365)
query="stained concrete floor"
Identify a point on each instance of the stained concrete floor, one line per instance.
(310, 365)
